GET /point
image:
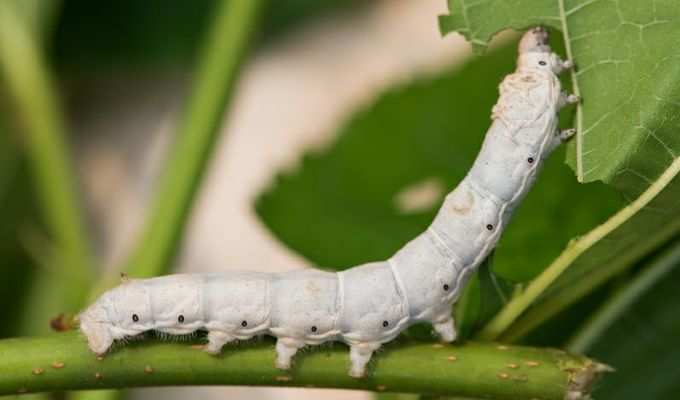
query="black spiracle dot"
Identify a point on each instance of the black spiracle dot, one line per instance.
(530, 160)
(386, 324)
(244, 323)
(180, 319)
(314, 329)
(489, 227)
(446, 287)
(135, 318)
(542, 62)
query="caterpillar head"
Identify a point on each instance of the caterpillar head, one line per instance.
(534, 40)
(535, 53)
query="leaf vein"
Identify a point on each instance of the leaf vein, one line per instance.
(577, 92)
(579, 7)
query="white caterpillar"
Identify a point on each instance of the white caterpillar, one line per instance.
(370, 304)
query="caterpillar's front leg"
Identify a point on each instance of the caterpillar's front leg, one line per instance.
(360, 355)
(565, 134)
(561, 136)
(566, 99)
(567, 64)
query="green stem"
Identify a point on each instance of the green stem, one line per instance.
(502, 323)
(32, 93)
(63, 362)
(566, 295)
(216, 74)
(623, 299)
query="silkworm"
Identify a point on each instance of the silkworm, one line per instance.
(370, 304)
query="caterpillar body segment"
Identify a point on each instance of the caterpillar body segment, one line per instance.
(370, 304)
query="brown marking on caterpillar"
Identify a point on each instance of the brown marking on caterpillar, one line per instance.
(38, 371)
(503, 375)
(512, 365)
(531, 363)
(148, 369)
(452, 358)
(381, 388)
(502, 347)
(100, 358)
(22, 390)
(58, 365)
(197, 346)
(462, 205)
(437, 346)
(98, 376)
(283, 378)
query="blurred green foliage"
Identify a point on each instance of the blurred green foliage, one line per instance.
(150, 34)
(640, 341)
(91, 38)
(17, 216)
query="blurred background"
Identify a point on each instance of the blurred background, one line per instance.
(344, 128)
(123, 72)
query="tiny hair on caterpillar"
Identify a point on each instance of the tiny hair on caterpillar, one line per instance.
(370, 304)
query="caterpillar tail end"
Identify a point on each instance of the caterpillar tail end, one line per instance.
(99, 338)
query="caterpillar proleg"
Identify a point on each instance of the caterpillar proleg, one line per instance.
(370, 304)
